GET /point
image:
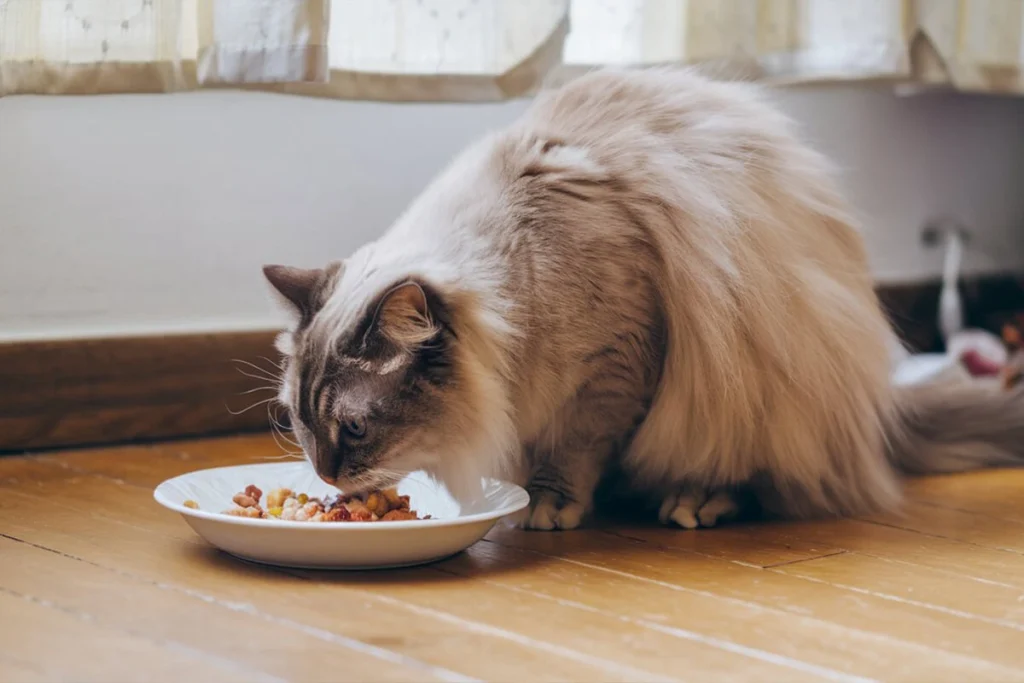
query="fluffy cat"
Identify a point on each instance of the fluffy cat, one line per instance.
(648, 274)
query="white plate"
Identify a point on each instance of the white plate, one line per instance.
(342, 545)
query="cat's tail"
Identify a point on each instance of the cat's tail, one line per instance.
(955, 426)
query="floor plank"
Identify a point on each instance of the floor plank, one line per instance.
(983, 492)
(203, 628)
(958, 525)
(809, 613)
(926, 588)
(16, 668)
(935, 593)
(964, 560)
(90, 652)
(743, 545)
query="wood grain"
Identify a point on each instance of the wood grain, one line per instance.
(90, 391)
(123, 589)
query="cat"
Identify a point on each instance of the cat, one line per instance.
(647, 274)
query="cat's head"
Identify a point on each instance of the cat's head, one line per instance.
(381, 383)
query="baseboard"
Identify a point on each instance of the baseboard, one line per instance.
(101, 391)
(92, 391)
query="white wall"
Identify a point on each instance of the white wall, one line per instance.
(142, 214)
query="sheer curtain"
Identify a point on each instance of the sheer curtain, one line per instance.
(776, 39)
(494, 49)
(441, 49)
(975, 45)
(259, 41)
(378, 49)
(64, 46)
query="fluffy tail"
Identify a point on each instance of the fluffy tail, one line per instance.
(957, 426)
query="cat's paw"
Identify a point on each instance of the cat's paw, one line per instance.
(691, 508)
(549, 511)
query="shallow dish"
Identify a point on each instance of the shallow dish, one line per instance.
(453, 527)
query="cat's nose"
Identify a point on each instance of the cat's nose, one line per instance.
(326, 463)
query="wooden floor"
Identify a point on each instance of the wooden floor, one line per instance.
(98, 583)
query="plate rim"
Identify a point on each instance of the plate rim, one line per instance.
(522, 499)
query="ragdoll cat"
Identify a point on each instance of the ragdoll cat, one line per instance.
(647, 273)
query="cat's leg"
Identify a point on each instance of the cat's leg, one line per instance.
(566, 474)
(692, 507)
(558, 499)
(570, 455)
(578, 448)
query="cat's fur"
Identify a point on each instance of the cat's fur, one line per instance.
(650, 271)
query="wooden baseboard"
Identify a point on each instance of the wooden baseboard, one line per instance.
(100, 391)
(92, 391)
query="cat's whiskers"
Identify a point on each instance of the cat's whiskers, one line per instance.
(277, 432)
(260, 373)
(282, 430)
(286, 456)
(262, 378)
(263, 388)
(278, 365)
(248, 408)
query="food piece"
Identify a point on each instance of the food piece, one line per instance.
(191, 504)
(337, 514)
(360, 513)
(252, 512)
(276, 498)
(308, 511)
(398, 516)
(377, 504)
(284, 504)
(244, 501)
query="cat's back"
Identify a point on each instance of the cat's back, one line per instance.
(616, 112)
(721, 154)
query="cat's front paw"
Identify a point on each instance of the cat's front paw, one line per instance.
(549, 511)
(692, 507)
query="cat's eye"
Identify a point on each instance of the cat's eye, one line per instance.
(355, 427)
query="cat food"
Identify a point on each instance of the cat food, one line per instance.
(284, 504)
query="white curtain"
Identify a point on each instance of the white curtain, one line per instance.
(441, 49)
(800, 40)
(975, 45)
(261, 41)
(494, 49)
(62, 46)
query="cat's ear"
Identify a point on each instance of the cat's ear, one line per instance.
(404, 315)
(302, 290)
(297, 287)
